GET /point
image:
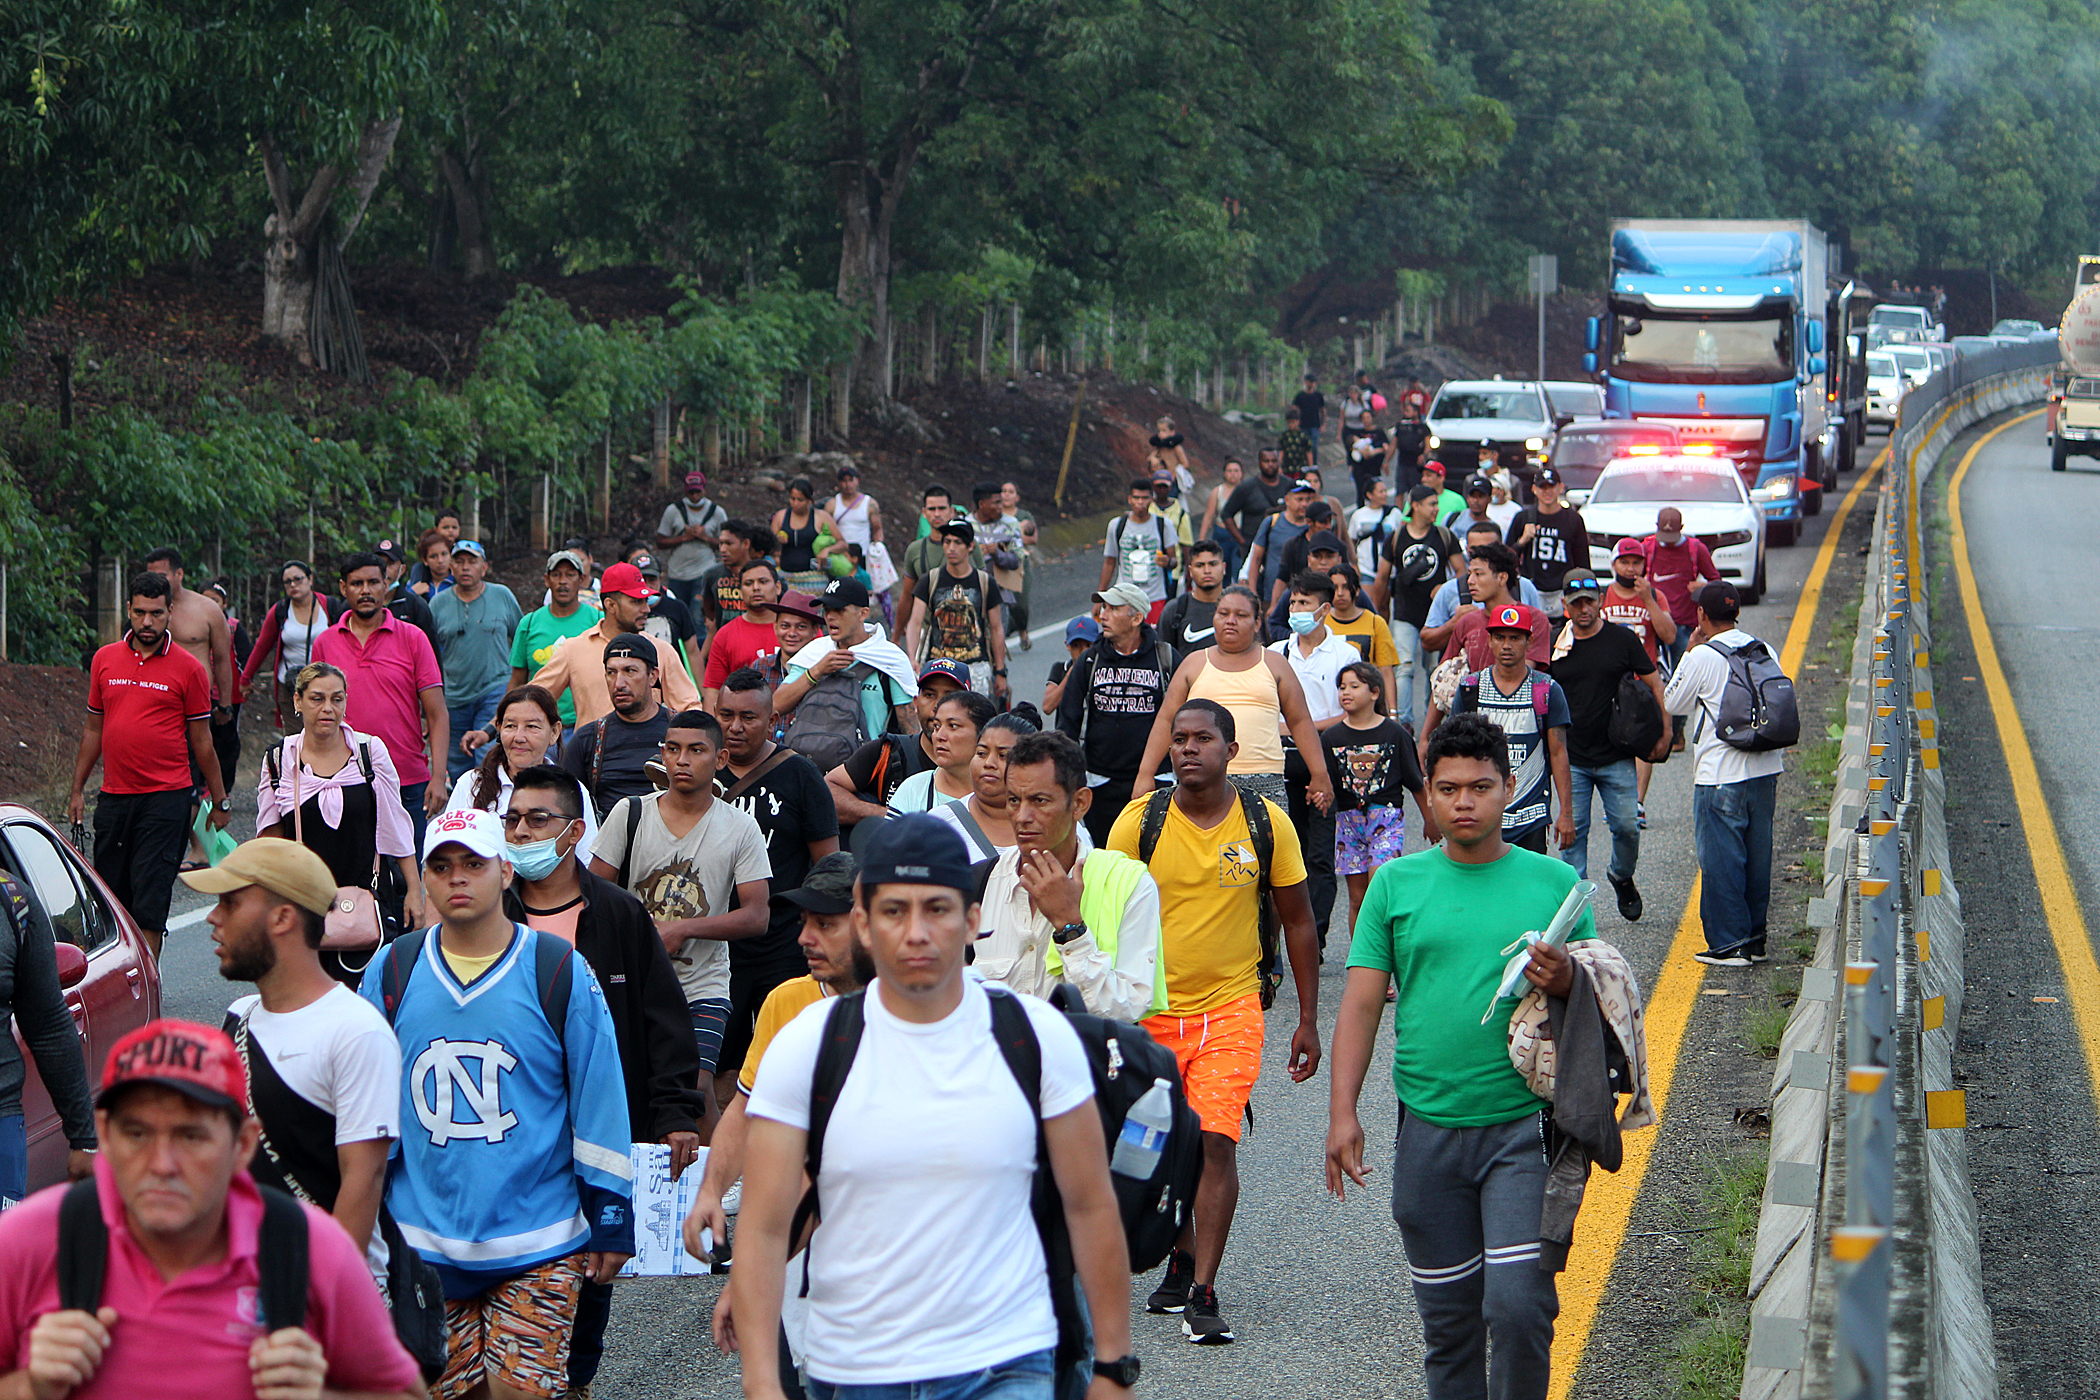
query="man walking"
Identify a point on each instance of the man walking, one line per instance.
(554, 894)
(886, 684)
(785, 794)
(1212, 869)
(1111, 695)
(1265, 561)
(1469, 1178)
(476, 622)
(1532, 712)
(1139, 549)
(1316, 655)
(1678, 567)
(1176, 514)
(1733, 790)
(925, 554)
(721, 587)
(861, 787)
(610, 755)
(1419, 559)
(1053, 915)
(1312, 413)
(687, 533)
(544, 628)
(578, 664)
(395, 690)
(928, 1273)
(513, 1177)
(199, 627)
(1255, 499)
(1492, 577)
(1185, 622)
(148, 722)
(961, 618)
(1550, 538)
(748, 638)
(1594, 658)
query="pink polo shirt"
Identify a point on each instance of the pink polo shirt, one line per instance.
(189, 1337)
(385, 679)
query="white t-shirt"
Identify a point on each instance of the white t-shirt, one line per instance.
(688, 877)
(918, 794)
(927, 1262)
(1695, 690)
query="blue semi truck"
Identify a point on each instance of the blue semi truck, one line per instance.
(1717, 327)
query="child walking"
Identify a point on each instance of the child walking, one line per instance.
(1372, 759)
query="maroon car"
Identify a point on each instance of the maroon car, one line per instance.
(111, 983)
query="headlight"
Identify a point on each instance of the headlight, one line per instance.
(1435, 442)
(1534, 444)
(1777, 489)
(1729, 537)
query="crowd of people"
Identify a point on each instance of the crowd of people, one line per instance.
(520, 863)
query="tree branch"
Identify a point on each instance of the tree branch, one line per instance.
(372, 153)
(280, 181)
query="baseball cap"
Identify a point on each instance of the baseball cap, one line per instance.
(1628, 546)
(1299, 483)
(624, 578)
(828, 887)
(646, 564)
(1162, 474)
(800, 604)
(390, 549)
(1323, 539)
(1580, 581)
(284, 868)
(1432, 464)
(696, 481)
(1507, 617)
(1124, 595)
(197, 1061)
(632, 644)
(1085, 629)
(849, 470)
(1546, 477)
(920, 849)
(480, 832)
(957, 671)
(961, 529)
(469, 547)
(844, 593)
(569, 557)
(1479, 486)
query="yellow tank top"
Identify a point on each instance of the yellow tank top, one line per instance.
(1257, 712)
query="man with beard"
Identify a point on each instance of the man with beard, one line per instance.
(610, 755)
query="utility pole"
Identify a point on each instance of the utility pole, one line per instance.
(1545, 280)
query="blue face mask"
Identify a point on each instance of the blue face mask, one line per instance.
(535, 860)
(1303, 623)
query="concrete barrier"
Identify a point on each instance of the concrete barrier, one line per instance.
(1937, 1337)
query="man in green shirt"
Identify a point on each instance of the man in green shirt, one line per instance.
(1469, 1173)
(542, 629)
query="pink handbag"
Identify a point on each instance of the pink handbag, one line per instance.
(353, 924)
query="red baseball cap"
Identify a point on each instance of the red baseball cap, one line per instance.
(199, 1061)
(1625, 547)
(625, 578)
(1510, 617)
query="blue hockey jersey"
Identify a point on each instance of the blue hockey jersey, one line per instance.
(514, 1146)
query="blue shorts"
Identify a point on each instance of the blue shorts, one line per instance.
(710, 1019)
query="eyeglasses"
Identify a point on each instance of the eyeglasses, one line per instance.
(537, 819)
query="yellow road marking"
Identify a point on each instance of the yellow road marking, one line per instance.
(2052, 874)
(1607, 1204)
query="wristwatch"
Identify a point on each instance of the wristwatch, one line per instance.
(1123, 1372)
(1067, 932)
(224, 804)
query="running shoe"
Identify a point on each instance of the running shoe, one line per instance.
(1630, 905)
(1735, 959)
(1640, 814)
(1200, 1322)
(1172, 1295)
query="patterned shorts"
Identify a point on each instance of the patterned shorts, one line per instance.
(710, 1021)
(517, 1332)
(1220, 1057)
(1367, 838)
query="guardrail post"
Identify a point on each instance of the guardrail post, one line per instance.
(1862, 1323)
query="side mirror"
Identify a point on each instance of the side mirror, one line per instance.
(1589, 361)
(1589, 334)
(1816, 364)
(72, 966)
(1815, 337)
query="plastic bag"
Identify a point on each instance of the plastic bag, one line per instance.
(217, 844)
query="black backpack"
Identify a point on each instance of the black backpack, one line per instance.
(1637, 722)
(280, 1255)
(1257, 813)
(1757, 712)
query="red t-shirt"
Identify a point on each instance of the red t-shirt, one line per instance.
(146, 704)
(188, 1338)
(1632, 614)
(1469, 638)
(384, 681)
(738, 643)
(1676, 571)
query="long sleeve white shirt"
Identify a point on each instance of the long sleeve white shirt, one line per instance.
(1015, 948)
(1695, 690)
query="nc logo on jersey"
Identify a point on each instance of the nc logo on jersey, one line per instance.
(1237, 866)
(442, 1083)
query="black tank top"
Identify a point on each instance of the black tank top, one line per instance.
(798, 553)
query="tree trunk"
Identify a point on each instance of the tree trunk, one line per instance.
(292, 232)
(467, 190)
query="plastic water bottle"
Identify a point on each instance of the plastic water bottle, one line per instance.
(1144, 1134)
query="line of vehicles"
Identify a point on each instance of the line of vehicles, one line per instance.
(2074, 397)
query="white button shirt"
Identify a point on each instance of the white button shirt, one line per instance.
(1015, 948)
(1317, 669)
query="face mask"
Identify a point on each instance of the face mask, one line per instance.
(1303, 623)
(535, 860)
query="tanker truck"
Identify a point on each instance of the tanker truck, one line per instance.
(2075, 424)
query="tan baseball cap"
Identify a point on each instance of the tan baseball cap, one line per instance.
(282, 867)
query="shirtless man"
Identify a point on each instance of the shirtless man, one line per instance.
(199, 627)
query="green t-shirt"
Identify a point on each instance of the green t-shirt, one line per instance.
(537, 637)
(1439, 927)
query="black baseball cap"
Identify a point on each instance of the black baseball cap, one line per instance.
(388, 549)
(1546, 477)
(920, 849)
(961, 529)
(1480, 486)
(843, 593)
(828, 887)
(1323, 539)
(632, 644)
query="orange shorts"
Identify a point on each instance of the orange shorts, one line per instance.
(1220, 1057)
(516, 1333)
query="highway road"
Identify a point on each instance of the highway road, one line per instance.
(1314, 1288)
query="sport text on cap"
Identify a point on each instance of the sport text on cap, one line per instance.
(197, 1061)
(480, 832)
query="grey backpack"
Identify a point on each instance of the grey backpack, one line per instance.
(827, 726)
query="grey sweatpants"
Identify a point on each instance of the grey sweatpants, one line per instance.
(1467, 1201)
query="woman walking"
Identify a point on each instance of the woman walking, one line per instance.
(1213, 523)
(957, 723)
(287, 638)
(984, 820)
(527, 732)
(337, 793)
(797, 526)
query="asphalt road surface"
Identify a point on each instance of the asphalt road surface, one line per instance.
(1315, 1289)
(2034, 1140)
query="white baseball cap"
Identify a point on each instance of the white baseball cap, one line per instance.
(480, 832)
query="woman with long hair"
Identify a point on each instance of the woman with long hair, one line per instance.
(287, 637)
(983, 818)
(1213, 522)
(957, 722)
(798, 527)
(527, 732)
(337, 793)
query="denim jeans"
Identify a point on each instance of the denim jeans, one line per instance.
(1732, 824)
(412, 795)
(476, 714)
(1615, 786)
(1407, 640)
(1026, 1377)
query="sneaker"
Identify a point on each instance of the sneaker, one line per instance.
(1172, 1295)
(1629, 898)
(1640, 815)
(733, 1199)
(1735, 959)
(1027, 642)
(1756, 952)
(1200, 1322)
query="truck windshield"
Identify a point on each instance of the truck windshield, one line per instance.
(1489, 403)
(1910, 317)
(1662, 350)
